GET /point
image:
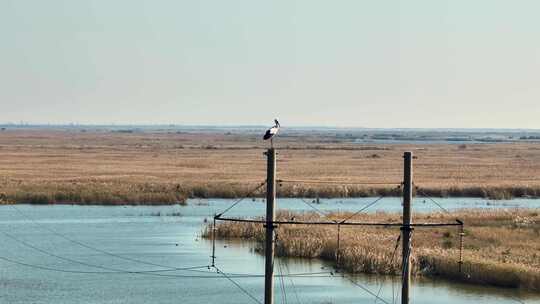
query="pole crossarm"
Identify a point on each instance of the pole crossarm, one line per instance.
(242, 220)
(299, 181)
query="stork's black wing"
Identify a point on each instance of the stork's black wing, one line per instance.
(267, 135)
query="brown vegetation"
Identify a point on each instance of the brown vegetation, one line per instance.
(99, 166)
(501, 248)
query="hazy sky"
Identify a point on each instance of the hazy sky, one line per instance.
(457, 63)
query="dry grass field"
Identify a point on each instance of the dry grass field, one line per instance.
(501, 248)
(163, 167)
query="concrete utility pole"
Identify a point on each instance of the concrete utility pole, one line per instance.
(406, 228)
(270, 235)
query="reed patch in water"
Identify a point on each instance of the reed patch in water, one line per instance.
(500, 247)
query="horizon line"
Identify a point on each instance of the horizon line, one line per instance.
(79, 125)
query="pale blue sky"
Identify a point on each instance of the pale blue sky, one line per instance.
(364, 63)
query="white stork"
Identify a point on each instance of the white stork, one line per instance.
(270, 133)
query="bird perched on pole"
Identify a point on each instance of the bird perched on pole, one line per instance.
(270, 133)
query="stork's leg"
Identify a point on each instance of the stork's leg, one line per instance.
(272, 143)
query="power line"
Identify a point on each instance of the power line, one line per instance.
(119, 271)
(364, 208)
(406, 263)
(53, 269)
(247, 293)
(366, 289)
(396, 294)
(111, 270)
(324, 214)
(391, 261)
(13, 261)
(88, 246)
(299, 275)
(293, 285)
(282, 282)
(242, 198)
(432, 200)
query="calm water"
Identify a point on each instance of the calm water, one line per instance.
(137, 233)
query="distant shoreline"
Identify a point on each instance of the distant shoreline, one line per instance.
(341, 135)
(169, 196)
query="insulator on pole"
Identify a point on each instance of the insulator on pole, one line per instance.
(214, 242)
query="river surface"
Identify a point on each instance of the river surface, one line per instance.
(83, 254)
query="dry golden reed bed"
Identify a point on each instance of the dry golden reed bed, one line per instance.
(104, 167)
(501, 248)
